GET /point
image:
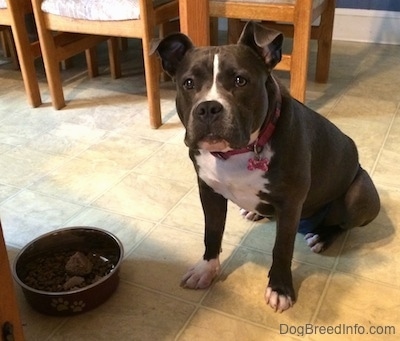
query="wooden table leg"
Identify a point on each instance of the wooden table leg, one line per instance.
(195, 21)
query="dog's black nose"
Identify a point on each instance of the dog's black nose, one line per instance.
(209, 110)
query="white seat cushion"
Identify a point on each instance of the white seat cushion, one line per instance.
(96, 9)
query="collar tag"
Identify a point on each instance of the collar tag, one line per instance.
(255, 163)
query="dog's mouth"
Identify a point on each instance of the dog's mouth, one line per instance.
(214, 143)
(217, 138)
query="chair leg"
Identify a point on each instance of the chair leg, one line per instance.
(122, 43)
(299, 66)
(235, 28)
(300, 53)
(152, 75)
(151, 69)
(92, 62)
(3, 42)
(214, 31)
(26, 60)
(50, 58)
(9, 47)
(114, 57)
(53, 74)
(152, 72)
(325, 43)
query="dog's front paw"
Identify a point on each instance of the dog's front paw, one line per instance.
(201, 275)
(279, 294)
(278, 302)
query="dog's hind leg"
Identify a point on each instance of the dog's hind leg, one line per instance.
(252, 216)
(322, 237)
(358, 207)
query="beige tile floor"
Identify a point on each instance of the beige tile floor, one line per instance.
(96, 162)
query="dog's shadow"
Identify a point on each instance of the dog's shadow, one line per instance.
(343, 255)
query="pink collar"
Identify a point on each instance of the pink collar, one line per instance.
(258, 145)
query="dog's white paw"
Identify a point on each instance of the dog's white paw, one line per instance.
(278, 302)
(252, 216)
(201, 275)
(314, 242)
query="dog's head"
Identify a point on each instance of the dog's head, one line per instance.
(222, 97)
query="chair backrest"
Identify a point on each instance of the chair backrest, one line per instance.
(294, 18)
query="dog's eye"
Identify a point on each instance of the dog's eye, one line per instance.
(188, 84)
(240, 81)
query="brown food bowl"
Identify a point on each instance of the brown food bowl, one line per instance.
(98, 244)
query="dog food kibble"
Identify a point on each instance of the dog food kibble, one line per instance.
(78, 265)
(66, 270)
(73, 282)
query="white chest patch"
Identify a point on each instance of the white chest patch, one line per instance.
(232, 179)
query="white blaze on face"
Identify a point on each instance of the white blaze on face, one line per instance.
(213, 94)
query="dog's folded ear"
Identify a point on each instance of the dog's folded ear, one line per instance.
(265, 41)
(171, 50)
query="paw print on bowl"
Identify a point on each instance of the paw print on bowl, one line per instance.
(60, 304)
(77, 306)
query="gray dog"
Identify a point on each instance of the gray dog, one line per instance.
(253, 144)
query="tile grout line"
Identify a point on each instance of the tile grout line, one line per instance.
(329, 279)
(385, 140)
(56, 329)
(230, 316)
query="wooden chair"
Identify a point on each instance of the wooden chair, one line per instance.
(131, 19)
(294, 18)
(12, 14)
